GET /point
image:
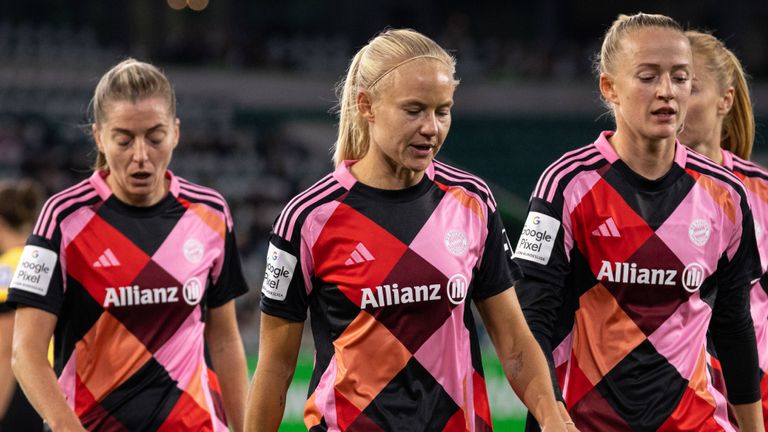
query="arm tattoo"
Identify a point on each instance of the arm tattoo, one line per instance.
(516, 364)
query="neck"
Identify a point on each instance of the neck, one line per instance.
(650, 158)
(384, 174)
(710, 150)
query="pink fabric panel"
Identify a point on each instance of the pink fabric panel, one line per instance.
(698, 205)
(325, 398)
(181, 354)
(170, 256)
(451, 215)
(451, 340)
(759, 301)
(689, 323)
(310, 232)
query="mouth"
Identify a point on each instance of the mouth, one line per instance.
(141, 175)
(664, 113)
(423, 147)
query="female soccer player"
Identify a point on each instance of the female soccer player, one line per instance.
(134, 270)
(720, 124)
(19, 203)
(633, 245)
(387, 252)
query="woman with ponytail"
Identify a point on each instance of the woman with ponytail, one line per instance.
(720, 124)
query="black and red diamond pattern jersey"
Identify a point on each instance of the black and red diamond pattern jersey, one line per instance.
(387, 277)
(623, 277)
(130, 286)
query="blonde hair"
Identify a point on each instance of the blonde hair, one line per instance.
(130, 80)
(738, 132)
(367, 70)
(610, 51)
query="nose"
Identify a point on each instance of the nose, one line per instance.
(140, 150)
(665, 89)
(429, 125)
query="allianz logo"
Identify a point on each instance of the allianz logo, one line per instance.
(133, 295)
(393, 294)
(622, 272)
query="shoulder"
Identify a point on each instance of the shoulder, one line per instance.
(64, 203)
(749, 169)
(559, 173)
(199, 194)
(293, 215)
(701, 166)
(451, 176)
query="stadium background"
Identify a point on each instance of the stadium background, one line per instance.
(255, 84)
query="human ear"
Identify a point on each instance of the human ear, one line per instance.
(97, 137)
(364, 105)
(176, 131)
(608, 89)
(725, 103)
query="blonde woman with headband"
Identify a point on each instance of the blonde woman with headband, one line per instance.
(648, 245)
(720, 124)
(387, 252)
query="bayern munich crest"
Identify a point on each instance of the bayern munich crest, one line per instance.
(456, 242)
(193, 250)
(699, 232)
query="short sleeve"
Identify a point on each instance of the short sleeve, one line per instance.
(497, 271)
(38, 281)
(231, 282)
(541, 252)
(283, 291)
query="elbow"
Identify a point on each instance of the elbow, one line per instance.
(17, 359)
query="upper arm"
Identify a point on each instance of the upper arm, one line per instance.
(221, 323)
(502, 317)
(33, 329)
(279, 340)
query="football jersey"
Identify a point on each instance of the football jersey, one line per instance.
(637, 269)
(755, 179)
(130, 286)
(387, 276)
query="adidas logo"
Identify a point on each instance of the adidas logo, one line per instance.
(107, 259)
(359, 255)
(607, 229)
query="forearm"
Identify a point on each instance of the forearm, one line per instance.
(228, 359)
(527, 371)
(750, 417)
(7, 381)
(279, 342)
(521, 358)
(39, 383)
(267, 396)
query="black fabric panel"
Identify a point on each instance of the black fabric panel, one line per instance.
(412, 401)
(644, 388)
(653, 200)
(401, 212)
(146, 227)
(148, 412)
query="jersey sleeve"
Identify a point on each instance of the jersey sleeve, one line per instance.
(542, 256)
(283, 291)
(731, 326)
(231, 281)
(38, 281)
(497, 271)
